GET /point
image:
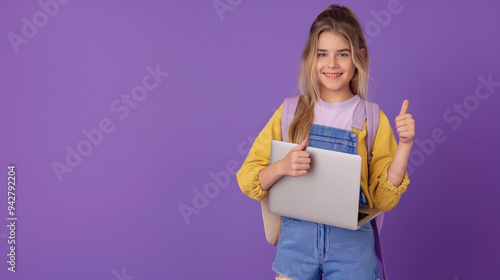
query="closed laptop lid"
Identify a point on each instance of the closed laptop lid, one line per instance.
(327, 194)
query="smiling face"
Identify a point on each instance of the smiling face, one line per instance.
(334, 67)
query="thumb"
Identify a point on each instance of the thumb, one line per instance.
(404, 108)
(302, 145)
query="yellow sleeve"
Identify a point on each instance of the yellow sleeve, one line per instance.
(259, 157)
(384, 194)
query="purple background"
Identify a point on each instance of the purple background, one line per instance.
(117, 214)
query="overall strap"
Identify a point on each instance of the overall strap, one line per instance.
(289, 108)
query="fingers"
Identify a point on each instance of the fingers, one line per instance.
(405, 122)
(404, 129)
(403, 117)
(301, 159)
(404, 107)
(300, 154)
(300, 165)
(297, 173)
(302, 145)
(298, 160)
(405, 126)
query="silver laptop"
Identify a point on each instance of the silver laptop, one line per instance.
(327, 194)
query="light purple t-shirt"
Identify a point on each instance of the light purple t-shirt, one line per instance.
(338, 115)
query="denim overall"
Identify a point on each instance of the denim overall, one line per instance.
(308, 249)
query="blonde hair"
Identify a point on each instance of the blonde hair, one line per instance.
(345, 23)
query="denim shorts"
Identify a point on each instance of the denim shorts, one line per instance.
(308, 250)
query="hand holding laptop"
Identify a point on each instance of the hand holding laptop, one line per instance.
(297, 161)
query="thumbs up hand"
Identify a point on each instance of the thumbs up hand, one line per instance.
(405, 124)
(296, 162)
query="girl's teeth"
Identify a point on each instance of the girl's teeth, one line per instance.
(333, 75)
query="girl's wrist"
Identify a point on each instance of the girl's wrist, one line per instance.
(277, 170)
(408, 144)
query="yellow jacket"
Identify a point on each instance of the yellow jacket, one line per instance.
(378, 190)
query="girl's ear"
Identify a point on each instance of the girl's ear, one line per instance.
(362, 52)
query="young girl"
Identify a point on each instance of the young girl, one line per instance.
(333, 79)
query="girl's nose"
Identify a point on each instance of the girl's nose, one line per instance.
(332, 62)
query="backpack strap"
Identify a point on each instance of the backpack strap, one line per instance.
(358, 120)
(378, 249)
(372, 121)
(370, 112)
(289, 108)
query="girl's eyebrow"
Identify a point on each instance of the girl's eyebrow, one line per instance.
(342, 50)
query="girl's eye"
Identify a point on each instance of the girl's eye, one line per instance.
(343, 54)
(322, 55)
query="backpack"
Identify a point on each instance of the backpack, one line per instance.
(364, 111)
